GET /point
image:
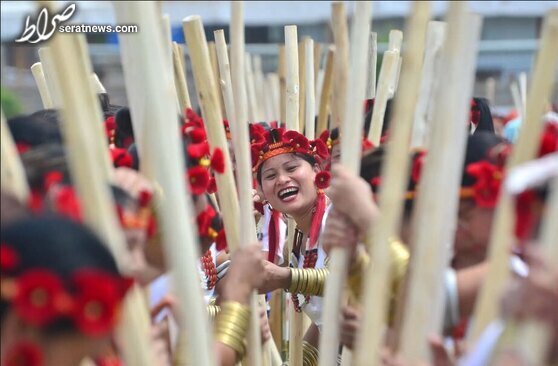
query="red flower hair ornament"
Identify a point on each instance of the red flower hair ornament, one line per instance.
(39, 297)
(486, 189)
(322, 179)
(278, 141)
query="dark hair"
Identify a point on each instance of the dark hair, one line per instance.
(124, 130)
(371, 167)
(39, 128)
(42, 160)
(59, 245)
(478, 149)
(307, 158)
(485, 122)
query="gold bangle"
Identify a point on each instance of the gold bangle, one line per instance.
(231, 326)
(310, 354)
(295, 277)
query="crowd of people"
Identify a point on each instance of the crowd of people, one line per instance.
(62, 290)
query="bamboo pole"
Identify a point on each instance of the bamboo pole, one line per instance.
(523, 90)
(310, 118)
(259, 87)
(395, 41)
(534, 338)
(490, 91)
(372, 60)
(325, 95)
(383, 92)
(392, 194)
(350, 158)
(525, 149)
(163, 160)
(71, 79)
(275, 91)
(205, 84)
(168, 50)
(292, 79)
(96, 129)
(302, 83)
(282, 73)
(39, 76)
(180, 78)
(13, 177)
(435, 34)
(340, 63)
(317, 63)
(516, 96)
(253, 107)
(98, 87)
(46, 61)
(215, 68)
(436, 210)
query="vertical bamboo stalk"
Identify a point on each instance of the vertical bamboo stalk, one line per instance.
(447, 153)
(435, 35)
(350, 158)
(341, 62)
(143, 55)
(259, 87)
(372, 60)
(253, 105)
(275, 91)
(325, 95)
(389, 63)
(39, 76)
(180, 78)
(215, 68)
(525, 149)
(48, 70)
(310, 118)
(282, 73)
(79, 111)
(292, 78)
(13, 175)
(302, 82)
(490, 91)
(395, 41)
(317, 63)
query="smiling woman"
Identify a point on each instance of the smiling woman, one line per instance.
(286, 165)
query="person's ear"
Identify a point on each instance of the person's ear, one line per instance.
(316, 168)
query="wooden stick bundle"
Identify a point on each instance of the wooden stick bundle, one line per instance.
(435, 215)
(525, 149)
(13, 176)
(340, 63)
(180, 81)
(39, 76)
(80, 111)
(395, 41)
(310, 104)
(372, 60)
(350, 157)
(392, 193)
(325, 94)
(163, 161)
(435, 35)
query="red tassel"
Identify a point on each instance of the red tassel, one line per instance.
(197, 151)
(144, 198)
(273, 235)
(218, 161)
(317, 220)
(221, 241)
(198, 135)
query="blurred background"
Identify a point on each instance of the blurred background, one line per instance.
(507, 47)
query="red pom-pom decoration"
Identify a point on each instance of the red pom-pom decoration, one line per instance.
(198, 177)
(24, 353)
(9, 259)
(218, 161)
(322, 179)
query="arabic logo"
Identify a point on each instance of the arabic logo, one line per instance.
(43, 30)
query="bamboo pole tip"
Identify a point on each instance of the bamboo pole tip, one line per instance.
(191, 18)
(36, 65)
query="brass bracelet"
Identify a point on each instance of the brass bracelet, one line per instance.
(231, 325)
(356, 273)
(310, 354)
(212, 311)
(308, 281)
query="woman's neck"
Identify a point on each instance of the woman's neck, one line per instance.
(304, 219)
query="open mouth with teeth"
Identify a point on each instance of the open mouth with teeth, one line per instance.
(287, 194)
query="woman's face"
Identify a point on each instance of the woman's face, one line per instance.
(288, 184)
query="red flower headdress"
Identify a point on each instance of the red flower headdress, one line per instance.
(278, 141)
(200, 160)
(40, 298)
(486, 189)
(110, 129)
